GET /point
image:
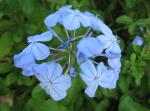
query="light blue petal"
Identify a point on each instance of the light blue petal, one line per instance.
(80, 57)
(91, 89)
(87, 78)
(63, 82)
(100, 68)
(108, 79)
(114, 51)
(25, 62)
(40, 51)
(22, 59)
(28, 73)
(114, 63)
(106, 40)
(48, 71)
(104, 29)
(71, 22)
(88, 69)
(74, 18)
(113, 55)
(46, 36)
(56, 93)
(54, 71)
(84, 19)
(90, 47)
(42, 71)
(52, 20)
(98, 24)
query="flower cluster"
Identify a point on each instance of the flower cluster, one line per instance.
(81, 50)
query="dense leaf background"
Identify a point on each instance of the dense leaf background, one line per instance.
(127, 18)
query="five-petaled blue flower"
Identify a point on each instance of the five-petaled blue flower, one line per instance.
(94, 77)
(52, 80)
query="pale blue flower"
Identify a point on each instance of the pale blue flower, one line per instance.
(138, 40)
(56, 17)
(98, 24)
(26, 62)
(52, 80)
(94, 77)
(74, 18)
(38, 50)
(90, 47)
(111, 45)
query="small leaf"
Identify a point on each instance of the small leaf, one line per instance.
(124, 19)
(5, 68)
(128, 104)
(10, 79)
(38, 92)
(6, 43)
(27, 6)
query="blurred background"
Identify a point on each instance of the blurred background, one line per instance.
(126, 18)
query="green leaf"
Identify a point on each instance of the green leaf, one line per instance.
(142, 22)
(133, 59)
(5, 68)
(123, 84)
(22, 80)
(38, 92)
(124, 19)
(137, 49)
(138, 73)
(27, 6)
(6, 43)
(39, 104)
(73, 91)
(132, 29)
(102, 106)
(128, 104)
(10, 79)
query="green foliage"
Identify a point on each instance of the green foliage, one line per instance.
(127, 18)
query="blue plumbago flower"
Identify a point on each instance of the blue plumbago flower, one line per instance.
(111, 45)
(95, 77)
(38, 50)
(138, 40)
(52, 80)
(56, 17)
(26, 62)
(90, 47)
(74, 18)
